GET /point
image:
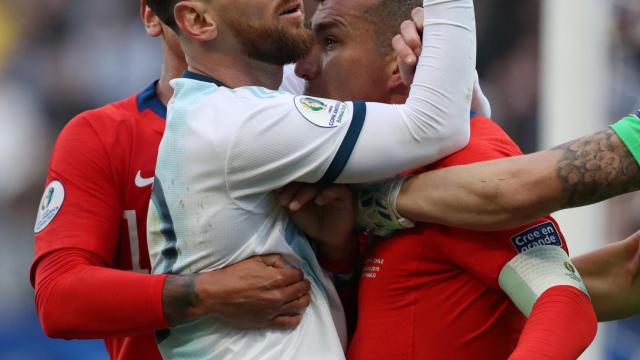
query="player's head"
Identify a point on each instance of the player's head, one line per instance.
(270, 31)
(352, 57)
(155, 28)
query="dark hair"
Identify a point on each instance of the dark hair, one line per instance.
(387, 15)
(164, 11)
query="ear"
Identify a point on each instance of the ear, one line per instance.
(195, 20)
(394, 80)
(152, 24)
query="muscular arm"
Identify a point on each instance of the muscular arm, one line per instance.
(504, 193)
(611, 275)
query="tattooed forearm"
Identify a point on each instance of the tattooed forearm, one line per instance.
(179, 297)
(596, 167)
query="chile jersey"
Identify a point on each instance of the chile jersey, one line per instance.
(432, 292)
(98, 190)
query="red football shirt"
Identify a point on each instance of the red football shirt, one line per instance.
(432, 292)
(103, 165)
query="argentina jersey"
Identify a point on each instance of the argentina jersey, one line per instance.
(223, 152)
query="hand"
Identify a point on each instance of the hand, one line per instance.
(325, 214)
(408, 47)
(259, 292)
(612, 276)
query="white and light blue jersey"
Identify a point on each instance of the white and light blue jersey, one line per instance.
(224, 150)
(222, 153)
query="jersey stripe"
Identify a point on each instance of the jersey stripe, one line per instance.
(170, 251)
(348, 143)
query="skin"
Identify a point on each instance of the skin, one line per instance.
(488, 195)
(212, 48)
(259, 292)
(339, 27)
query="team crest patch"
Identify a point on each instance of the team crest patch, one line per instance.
(539, 235)
(49, 205)
(321, 112)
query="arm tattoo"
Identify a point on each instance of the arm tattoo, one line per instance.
(595, 168)
(178, 297)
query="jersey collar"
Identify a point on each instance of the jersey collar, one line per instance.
(148, 99)
(200, 77)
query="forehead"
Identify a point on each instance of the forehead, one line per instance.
(345, 14)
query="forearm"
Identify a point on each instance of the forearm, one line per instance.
(491, 195)
(505, 193)
(561, 326)
(434, 121)
(610, 274)
(78, 298)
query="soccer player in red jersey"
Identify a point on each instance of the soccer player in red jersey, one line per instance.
(436, 292)
(91, 265)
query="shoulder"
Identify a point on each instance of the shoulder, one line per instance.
(98, 131)
(488, 141)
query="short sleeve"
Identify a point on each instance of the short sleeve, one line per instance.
(628, 129)
(80, 207)
(291, 138)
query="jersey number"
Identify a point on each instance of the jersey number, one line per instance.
(134, 241)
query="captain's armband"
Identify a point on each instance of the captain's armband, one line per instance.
(536, 270)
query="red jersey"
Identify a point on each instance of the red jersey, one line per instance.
(99, 186)
(432, 292)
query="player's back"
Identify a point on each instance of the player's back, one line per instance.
(206, 214)
(440, 284)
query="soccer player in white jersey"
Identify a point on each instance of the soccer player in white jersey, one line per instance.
(229, 141)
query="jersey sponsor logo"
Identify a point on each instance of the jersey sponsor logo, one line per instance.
(321, 112)
(539, 235)
(50, 204)
(142, 182)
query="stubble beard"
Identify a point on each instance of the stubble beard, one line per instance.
(276, 45)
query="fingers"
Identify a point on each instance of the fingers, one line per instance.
(417, 14)
(296, 195)
(405, 58)
(411, 36)
(273, 260)
(287, 193)
(337, 195)
(294, 292)
(286, 321)
(296, 306)
(303, 196)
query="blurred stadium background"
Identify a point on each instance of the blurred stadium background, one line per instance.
(552, 69)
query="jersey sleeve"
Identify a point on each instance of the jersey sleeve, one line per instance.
(80, 207)
(294, 138)
(357, 143)
(628, 129)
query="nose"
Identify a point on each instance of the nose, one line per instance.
(308, 67)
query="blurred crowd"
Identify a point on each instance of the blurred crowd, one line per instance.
(60, 57)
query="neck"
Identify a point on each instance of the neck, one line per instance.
(234, 70)
(172, 67)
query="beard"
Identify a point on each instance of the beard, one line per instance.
(275, 44)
